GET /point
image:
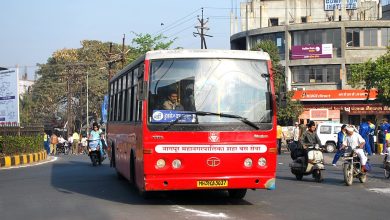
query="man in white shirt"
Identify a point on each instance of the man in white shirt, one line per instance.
(296, 133)
(356, 141)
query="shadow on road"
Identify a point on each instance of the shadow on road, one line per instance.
(75, 174)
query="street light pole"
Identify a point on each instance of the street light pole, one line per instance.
(87, 108)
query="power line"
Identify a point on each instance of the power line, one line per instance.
(175, 22)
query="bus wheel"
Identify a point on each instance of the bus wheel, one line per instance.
(237, 193)
(112, 161)
(132, 169)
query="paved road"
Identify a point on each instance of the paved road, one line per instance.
(70, 188)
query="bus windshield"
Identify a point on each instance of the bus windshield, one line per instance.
(229, 86)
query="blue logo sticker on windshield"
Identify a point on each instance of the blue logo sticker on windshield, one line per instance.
(166, 116)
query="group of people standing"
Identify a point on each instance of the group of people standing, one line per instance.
(76, 143)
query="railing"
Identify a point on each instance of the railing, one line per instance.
(14, 129)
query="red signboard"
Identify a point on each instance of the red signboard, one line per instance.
(329, 95)
(371, 109)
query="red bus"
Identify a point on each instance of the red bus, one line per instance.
(195, 119)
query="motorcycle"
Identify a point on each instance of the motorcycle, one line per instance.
(310, 164)
(352, 167)
(386, 166)
(94, 152)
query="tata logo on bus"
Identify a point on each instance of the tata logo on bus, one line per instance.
(213, 161)
(214, 136)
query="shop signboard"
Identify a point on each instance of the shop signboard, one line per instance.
(319, 114)
(331, 95)
(330, 5)
(369, 108)
(311, 51)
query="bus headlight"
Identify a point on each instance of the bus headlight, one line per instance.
(176, 164)
(248, 162)
(262, 162)
(160, 163)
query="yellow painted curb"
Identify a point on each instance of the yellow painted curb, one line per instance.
(8, 161)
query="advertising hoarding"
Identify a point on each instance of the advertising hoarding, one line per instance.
(312, 51)
(330, 5)
(9, 97)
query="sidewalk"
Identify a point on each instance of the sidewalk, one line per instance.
(8, 161)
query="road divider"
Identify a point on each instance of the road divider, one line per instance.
(8, 161)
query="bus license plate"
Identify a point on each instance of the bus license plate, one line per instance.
(212, 183)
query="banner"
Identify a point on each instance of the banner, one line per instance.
(312, 51)
(9, 97)
(330, 5)
(104, 109)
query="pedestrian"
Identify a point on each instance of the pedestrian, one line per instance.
(279, 136)
(296, 132)
(371, 136)
(364, 130)
(385, 129)
(46, 142)
(75, 144)
(53, 144)
(84, 144)
(340, 139)
(70, 142)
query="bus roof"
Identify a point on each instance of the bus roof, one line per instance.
(194, 53)
(198, 53)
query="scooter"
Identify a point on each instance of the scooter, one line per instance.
(313, 166)
(94, 152)
(352, 167)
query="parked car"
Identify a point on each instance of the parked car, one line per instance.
(327, 132)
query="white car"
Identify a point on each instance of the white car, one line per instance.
(327, 132)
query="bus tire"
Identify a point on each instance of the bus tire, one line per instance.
(112, 161)
(132, 169)
(237, 193)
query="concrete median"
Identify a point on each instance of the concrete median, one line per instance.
(8, 161)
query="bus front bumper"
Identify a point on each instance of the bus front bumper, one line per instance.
(180, 182)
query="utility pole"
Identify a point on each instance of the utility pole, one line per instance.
(201, 31)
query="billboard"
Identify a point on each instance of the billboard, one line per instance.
(9, 97)
(330, 5)
(312, 51)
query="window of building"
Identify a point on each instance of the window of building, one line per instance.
(353, 37)
(385, 33)
(273, 21)
(304, 19)
(370, 37)
(277, 38)
(316, 74)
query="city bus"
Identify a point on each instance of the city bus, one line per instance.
(194, 120)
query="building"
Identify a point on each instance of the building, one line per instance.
(318, 40)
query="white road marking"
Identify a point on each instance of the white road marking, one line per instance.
(29, 165)
(199, 213)
(385, 191)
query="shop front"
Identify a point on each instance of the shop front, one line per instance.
(344, 106)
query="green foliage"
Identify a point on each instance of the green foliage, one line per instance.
(373, 74)
(14, 145)
(293, 108)
(62, 80)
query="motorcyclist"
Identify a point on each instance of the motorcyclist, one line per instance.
(356, 141)
(94, 138)
(309, 138)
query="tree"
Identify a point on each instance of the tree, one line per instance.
(293, 108)
(373, 74)
(59, 95)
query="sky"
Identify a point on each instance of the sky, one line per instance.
(30, 31)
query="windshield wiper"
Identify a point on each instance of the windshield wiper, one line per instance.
(202, 113)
